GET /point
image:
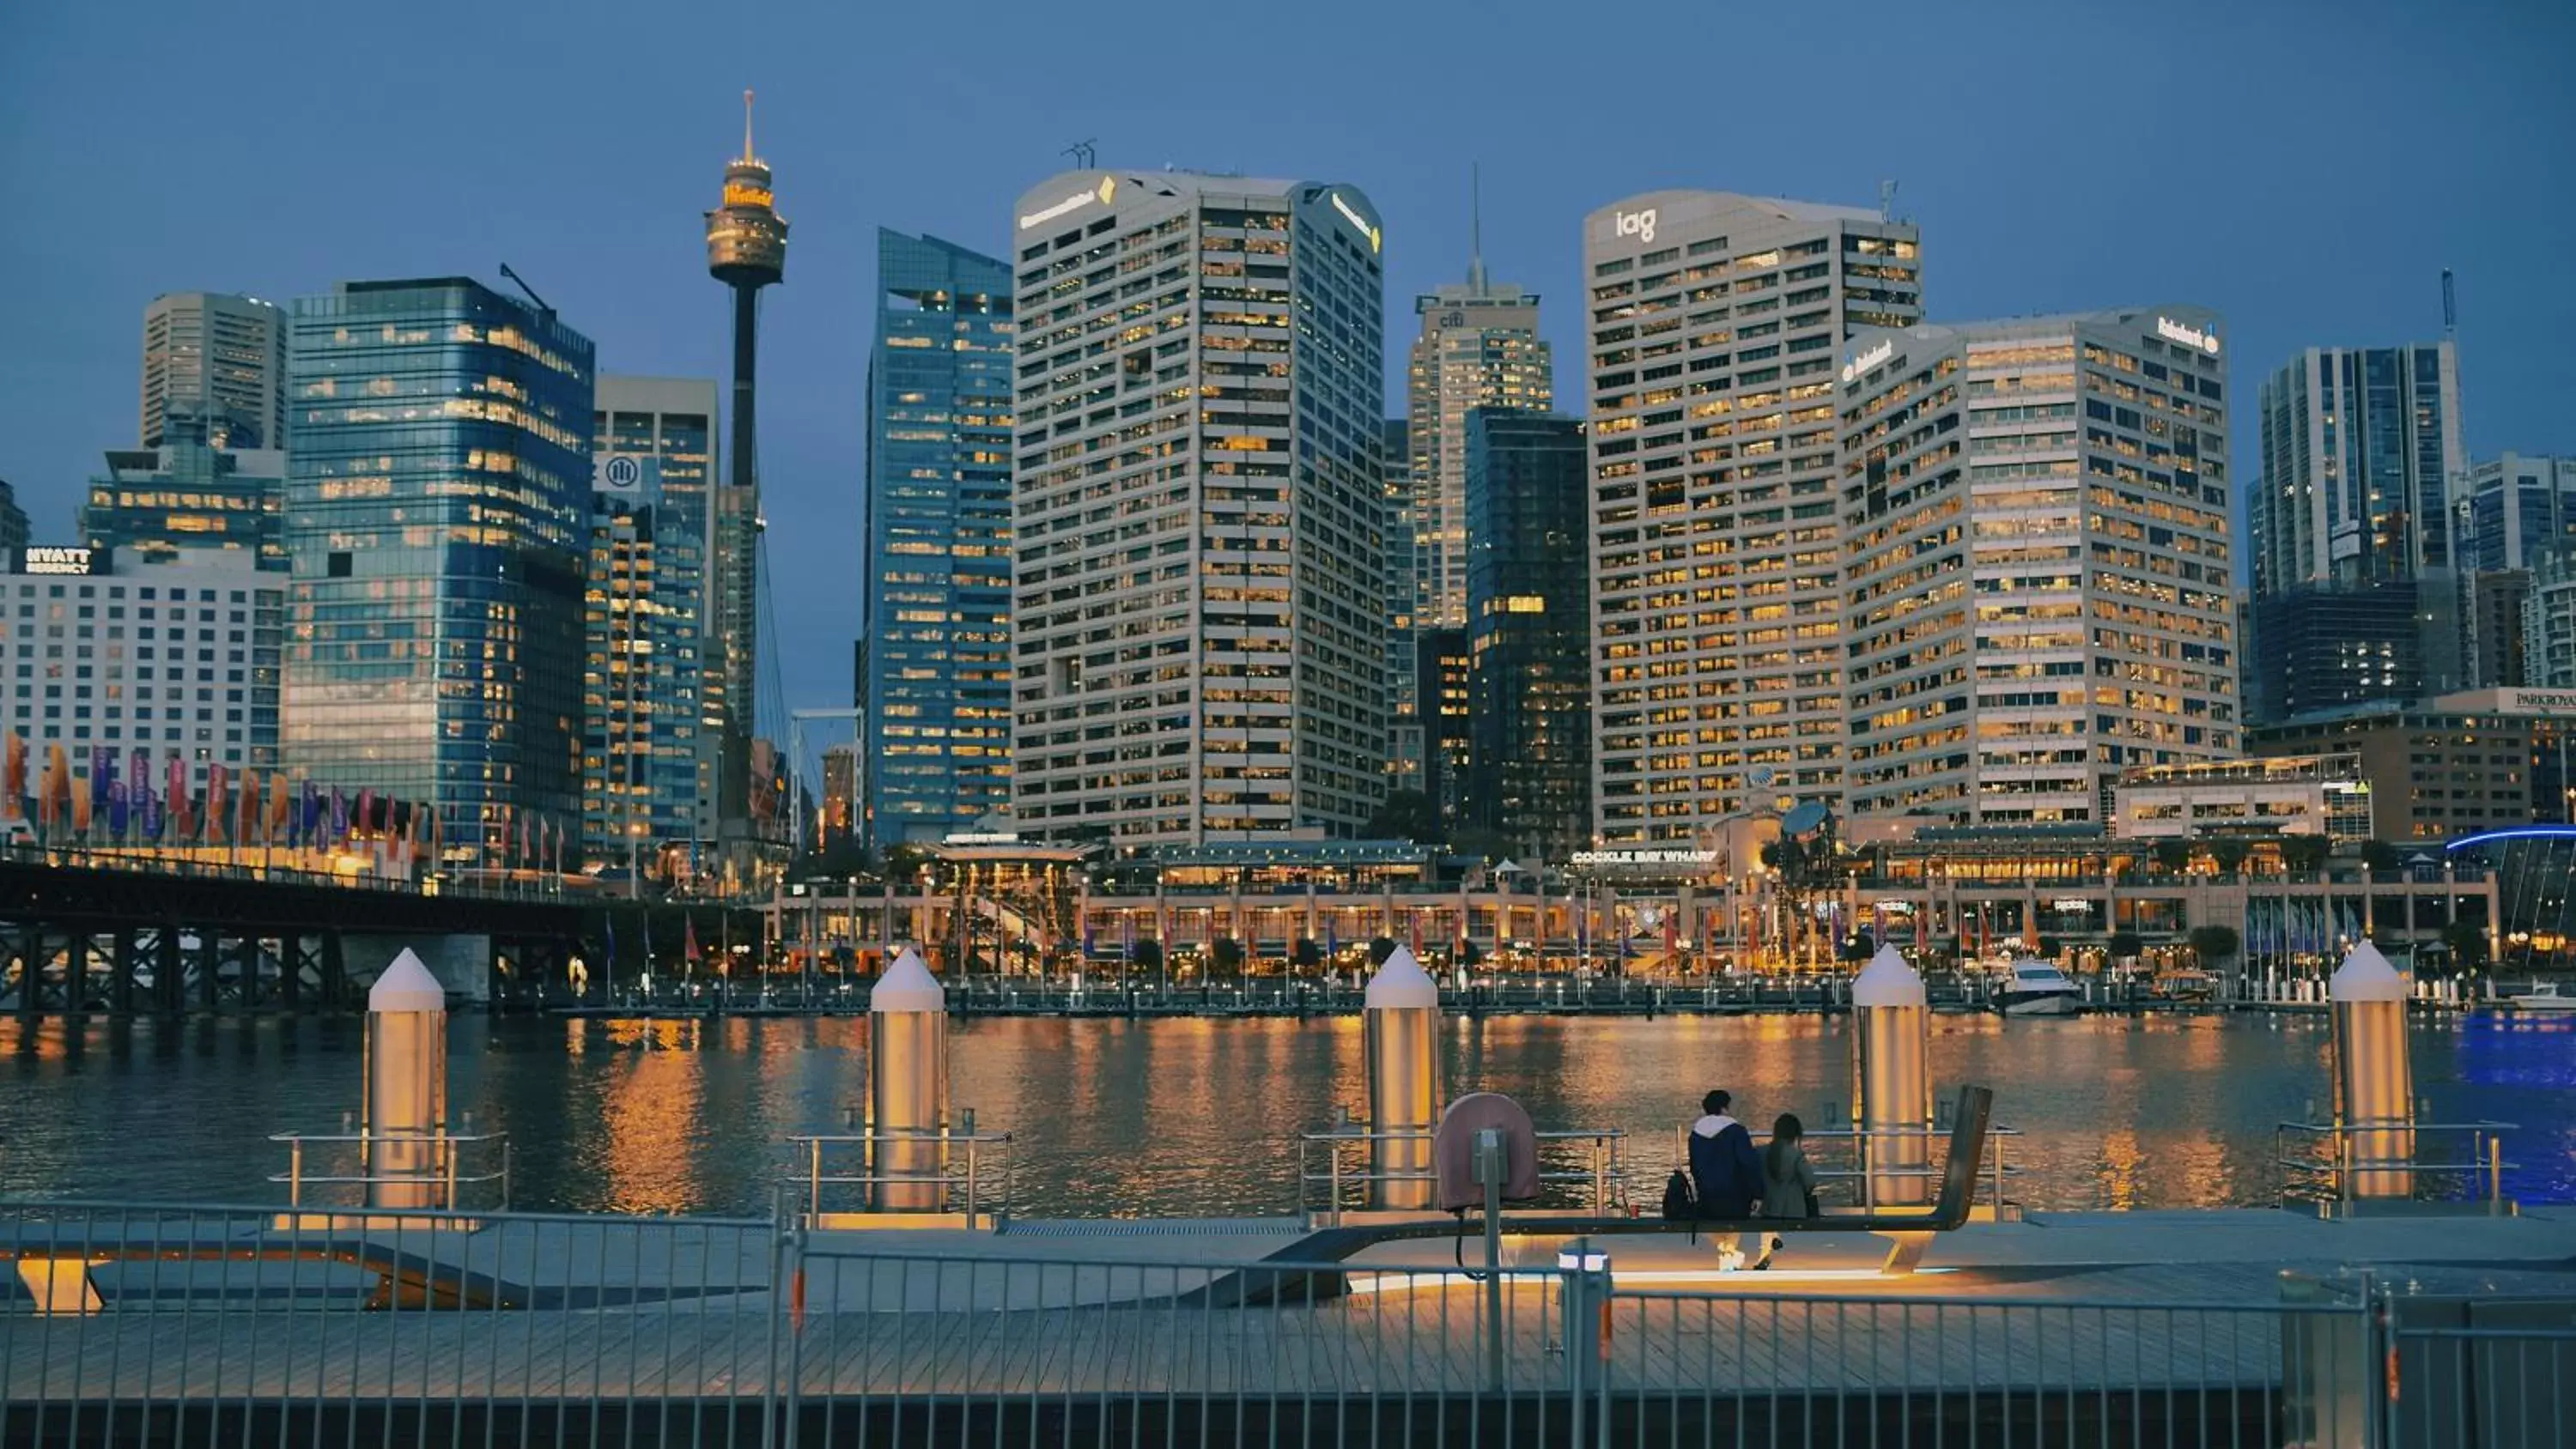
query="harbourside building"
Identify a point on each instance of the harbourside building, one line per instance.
(1529, 771)
(173, 664)
(2447, 767)
(218, 359)
(1716, 328)
(1199, 609)
(437, 508)
(937, 601)
(2040, 589)
(1479, 347)
(650, 736)
(2265, 797)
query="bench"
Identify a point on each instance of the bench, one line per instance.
(1908, 1230)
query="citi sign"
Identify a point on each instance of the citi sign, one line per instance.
(1638, 224)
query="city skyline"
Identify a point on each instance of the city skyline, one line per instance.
(610, 240)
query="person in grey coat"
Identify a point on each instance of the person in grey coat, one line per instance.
(1788, 1181)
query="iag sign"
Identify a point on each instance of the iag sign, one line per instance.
(1638, 224)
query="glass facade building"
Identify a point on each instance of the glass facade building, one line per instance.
(1529, 776)
(2362, 455)
(436, 518)
(153, 504)
(938, 595)
(650, 746)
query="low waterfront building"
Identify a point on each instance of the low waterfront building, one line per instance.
(2437, 769)
(2327, 795)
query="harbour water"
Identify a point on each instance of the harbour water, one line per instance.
(1199, 1117)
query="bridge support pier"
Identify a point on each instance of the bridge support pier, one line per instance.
(169, 973)
(335, 972)
(76, 975)
(121, 991)
(290, 971)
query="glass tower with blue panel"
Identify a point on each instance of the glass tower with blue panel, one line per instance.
(437, 497)
(1529, 629)
(937, 686)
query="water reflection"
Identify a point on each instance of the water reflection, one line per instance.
(1191, 1117)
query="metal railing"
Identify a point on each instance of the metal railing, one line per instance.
(1583, 1158)
(2325, 1162)
(960, 1166)
(444, 1155)
(198, 1325)
(1863, 1178)
(2484, 1387)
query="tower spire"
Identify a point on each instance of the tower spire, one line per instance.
(746, 125)
(1475, 227)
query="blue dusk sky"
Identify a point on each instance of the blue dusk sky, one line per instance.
(2307, 169)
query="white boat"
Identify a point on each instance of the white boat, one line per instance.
(2037, 988)
(2543, 996)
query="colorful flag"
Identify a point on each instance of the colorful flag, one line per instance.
(13, 780)
(218, 795)
(107, 784)
(174, 789)
(366, 821)
(308, 815)
(246, 813)
(281, 809)
(525, 854)
(138, 792)
(690, 952)
(339, 828)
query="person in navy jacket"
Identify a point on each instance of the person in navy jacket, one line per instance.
(1725, 1170)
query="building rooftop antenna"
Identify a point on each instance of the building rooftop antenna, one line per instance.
(2450, 309)
(746, 125)
(1886, 201)
(1082, 153)
(1475, 227)
(545, 311)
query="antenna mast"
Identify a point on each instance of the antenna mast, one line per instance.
(1475, 227)
(1886, 202)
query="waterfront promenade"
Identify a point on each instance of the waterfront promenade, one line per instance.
(2060, 1329)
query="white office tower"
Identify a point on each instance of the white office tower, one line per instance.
(2040, 588)
(1716, 329)
(1198, 509)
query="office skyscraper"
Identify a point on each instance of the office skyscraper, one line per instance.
(938, 598)
(2362, 453)
(1716, 325)
(2039, 590)
(435, 516)
(219, 358)
(188, 495)
(1479, 348)
(1528, 507)
(650, 736)
(1200, 601)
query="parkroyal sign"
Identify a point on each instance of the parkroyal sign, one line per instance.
(1868, 358)
(1107, 188)
(2172, 331)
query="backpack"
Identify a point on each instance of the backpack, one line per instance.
(1680, 1204)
